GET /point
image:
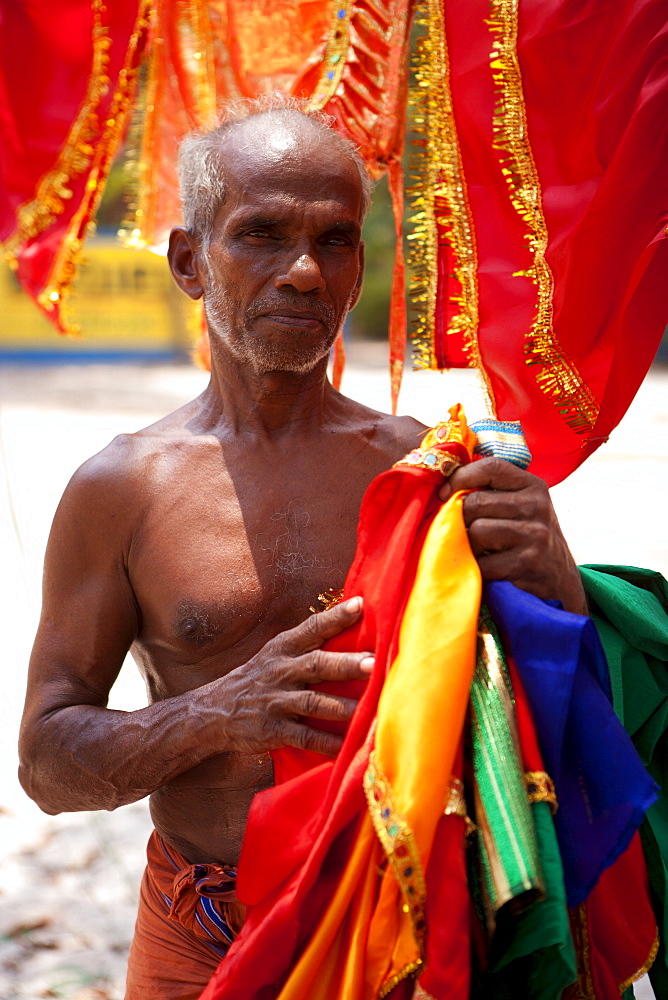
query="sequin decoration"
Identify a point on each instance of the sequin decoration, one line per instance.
(329, 598)
(558, 377)
(398, 843)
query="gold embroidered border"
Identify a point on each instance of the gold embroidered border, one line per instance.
(558, 377)
(336, 51)
(430, 458)
(399, 845)
(66, 261)
(408, 970)
(437, 167)
(54, 188)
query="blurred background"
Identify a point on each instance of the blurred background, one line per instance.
(68, 884)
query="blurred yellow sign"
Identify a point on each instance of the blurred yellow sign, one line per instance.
(125, 303)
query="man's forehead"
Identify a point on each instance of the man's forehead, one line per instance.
(285, 166)
(279, 149)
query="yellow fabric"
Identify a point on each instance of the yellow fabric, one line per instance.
(366, 939)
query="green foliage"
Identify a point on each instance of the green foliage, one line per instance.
(369, 320)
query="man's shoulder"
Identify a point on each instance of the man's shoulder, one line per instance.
(390, 437)
(399, 435)
(125, 468)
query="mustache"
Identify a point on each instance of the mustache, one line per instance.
(291, 303)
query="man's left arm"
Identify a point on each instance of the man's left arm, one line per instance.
(514, 531)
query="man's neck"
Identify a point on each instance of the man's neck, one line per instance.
(270, 405)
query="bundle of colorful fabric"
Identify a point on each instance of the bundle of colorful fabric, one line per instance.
(485, 787)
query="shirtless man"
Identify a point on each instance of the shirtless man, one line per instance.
(201, 541)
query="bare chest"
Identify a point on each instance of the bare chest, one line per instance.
(217, 574)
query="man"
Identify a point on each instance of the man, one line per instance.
(201, 541)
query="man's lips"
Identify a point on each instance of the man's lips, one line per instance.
(288, 317)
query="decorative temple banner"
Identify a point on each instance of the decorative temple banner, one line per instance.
(538, 194)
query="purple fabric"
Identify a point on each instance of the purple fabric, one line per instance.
(602, 787)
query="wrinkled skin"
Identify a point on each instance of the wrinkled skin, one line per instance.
(200, 542)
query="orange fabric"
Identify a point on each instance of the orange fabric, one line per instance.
(173, 953)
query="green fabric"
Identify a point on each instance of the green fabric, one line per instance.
(629, 607)
(508, 850)
(532, 954)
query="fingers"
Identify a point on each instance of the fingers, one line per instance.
(305, 738)
(496, 535)
(319, 705)
(313, 632)
(489, 474)
(321, 665)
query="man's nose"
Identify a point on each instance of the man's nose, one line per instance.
(303, 274)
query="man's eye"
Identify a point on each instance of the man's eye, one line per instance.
(338, 241)
(261, 233)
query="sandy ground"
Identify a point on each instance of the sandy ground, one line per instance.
(68, 884)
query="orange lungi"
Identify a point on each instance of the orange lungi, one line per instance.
(188, 917)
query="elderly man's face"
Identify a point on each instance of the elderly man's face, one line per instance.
(285, 259)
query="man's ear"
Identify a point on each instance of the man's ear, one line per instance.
(182, 257)
(357, 290)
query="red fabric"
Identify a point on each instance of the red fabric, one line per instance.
(595, 80)
(615, 928)
(46, 62)
(313, 816)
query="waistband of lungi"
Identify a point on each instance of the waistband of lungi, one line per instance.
(200, 897)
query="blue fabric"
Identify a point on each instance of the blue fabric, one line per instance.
(602, 787)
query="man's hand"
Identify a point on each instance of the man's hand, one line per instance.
(514, 532)
(271, 694)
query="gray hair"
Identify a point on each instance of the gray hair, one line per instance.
(201, 179)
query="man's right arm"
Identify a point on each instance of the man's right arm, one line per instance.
(75, 753)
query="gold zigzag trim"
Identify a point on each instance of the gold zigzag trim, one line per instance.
(66, 262)
(54, 188)
(558, 377)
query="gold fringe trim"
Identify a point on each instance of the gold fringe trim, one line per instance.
(645, 967)
(439, 197)
(558, 378)
(399, 845)
(193, 37)
(66, 261)
(137, 226)
(335, 57)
